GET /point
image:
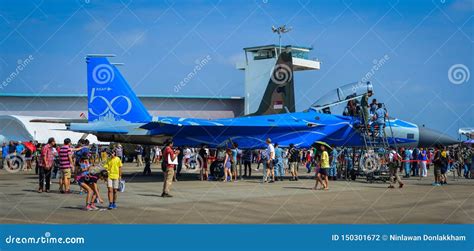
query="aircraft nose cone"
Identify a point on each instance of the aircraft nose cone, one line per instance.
(430, 137)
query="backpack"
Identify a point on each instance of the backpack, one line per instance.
(294, 155)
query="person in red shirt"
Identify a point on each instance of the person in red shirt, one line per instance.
(169, 156)
(46, 162)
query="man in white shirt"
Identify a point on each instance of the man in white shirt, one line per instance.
(270, 158)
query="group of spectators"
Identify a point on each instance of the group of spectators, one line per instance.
(85, 164)
(415, 162)
(23, 152)
(70, 164)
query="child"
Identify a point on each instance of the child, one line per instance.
(113, 165)
(227, 165)
(88, 182)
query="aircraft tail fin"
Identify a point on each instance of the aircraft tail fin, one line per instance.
(110, 97)
(279, 96)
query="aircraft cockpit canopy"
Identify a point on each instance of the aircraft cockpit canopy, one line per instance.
(342, 95)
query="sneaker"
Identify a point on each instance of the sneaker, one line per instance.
(114, 206)
(110, 207)
(435, 184)
(88, 208)
(93, 206)
(401, 185)
(166, 195)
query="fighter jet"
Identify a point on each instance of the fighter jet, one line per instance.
(115, 114)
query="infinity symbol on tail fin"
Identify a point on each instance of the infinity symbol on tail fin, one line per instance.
(110, 104)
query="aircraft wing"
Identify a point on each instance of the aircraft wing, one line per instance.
(59, 121)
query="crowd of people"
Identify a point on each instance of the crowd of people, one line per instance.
(69, 164)
(87, 164)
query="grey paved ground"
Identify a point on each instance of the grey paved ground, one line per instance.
(246, 201)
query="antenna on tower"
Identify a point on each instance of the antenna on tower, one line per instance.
(280, 30)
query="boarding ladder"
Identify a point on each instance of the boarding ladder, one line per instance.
(376, 144)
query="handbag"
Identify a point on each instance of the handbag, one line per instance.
(121, 186)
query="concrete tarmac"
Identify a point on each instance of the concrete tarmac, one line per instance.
(245, 201)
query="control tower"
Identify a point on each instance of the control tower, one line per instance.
(264, 67)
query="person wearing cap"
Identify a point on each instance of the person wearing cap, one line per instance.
(169, 156)
(113, 165)
(46, 162)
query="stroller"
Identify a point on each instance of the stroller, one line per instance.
(216, 170)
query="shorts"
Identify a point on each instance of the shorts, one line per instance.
(233, 167)
(113, 183)
(293, 166)
(65, 173)
(437, 170)
(323, 171)
(444, 169)
(87, 179)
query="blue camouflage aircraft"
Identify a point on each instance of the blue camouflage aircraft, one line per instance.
(115, 114)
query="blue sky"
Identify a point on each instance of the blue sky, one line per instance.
(161, 41)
